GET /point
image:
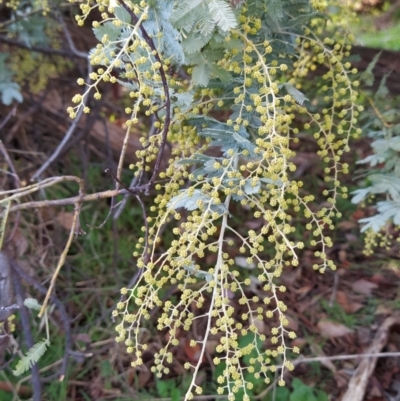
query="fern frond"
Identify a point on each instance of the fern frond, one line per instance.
(31, 357)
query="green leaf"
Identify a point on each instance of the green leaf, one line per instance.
(223, 75)
(194, 42)
(175, 394)
(122, 15)
(274, 9)
(359, 195)
(31, 357)
(186, 201)
(250, 338)
(9, 92)
(251, 190)
(191, 202)
(281, 394)
(367, 76)
(201, 75)
(301, 392)
(109, 29)
(199, 273)
(321, 395)
(171, 46)
(32, 303)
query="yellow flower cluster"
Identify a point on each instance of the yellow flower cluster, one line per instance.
(260, 179)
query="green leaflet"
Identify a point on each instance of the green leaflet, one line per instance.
(201, 74)
(298, 96)
(122, 15)
(32, 303)
(194, 42)
(183, 199)
(9, 90)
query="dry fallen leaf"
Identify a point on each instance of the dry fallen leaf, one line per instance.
(383, 310)
(193, 353)
(331, 329)
(211, 345)
(363, 286)
(65, 219)
(299, 342)
(293, 323)
(20, 243)
(346, 304)
(347, 225)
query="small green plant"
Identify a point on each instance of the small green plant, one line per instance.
(302, 392)
(37, 350)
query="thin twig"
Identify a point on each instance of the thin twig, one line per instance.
(3, 150)
(48, 182)
(17, 184)
(22, 118)
(75, 228)
(69, 201)
(8, 116)
(379, 114)
(334, 290)
(71, 43)
(124, 201)
(60, 147)
(346, 357)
